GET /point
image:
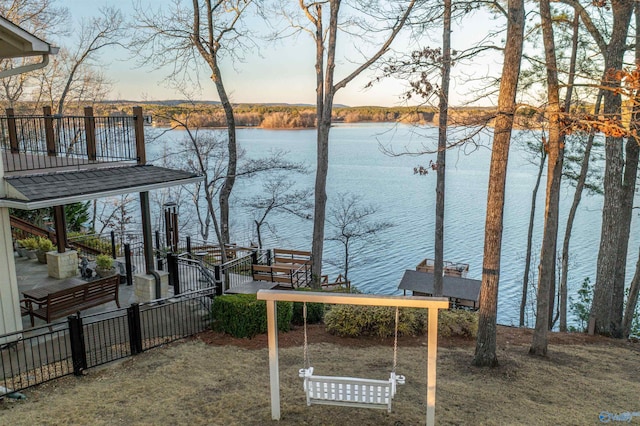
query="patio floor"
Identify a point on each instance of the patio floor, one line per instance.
(32, 274)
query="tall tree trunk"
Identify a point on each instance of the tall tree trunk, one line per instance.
(232, 161)
(632, 150)
(485, 354)
(555, 153)
(578, 194)
(532, 215)
(324, 97)
(577, 197)
(632, 301)
(442, 150)
(606, 309)
(325, 92)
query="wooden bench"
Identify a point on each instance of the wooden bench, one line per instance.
(66, 302)
(286, 276)
(295, 258)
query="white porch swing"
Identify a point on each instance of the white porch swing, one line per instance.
(350, 391)
(339, 385)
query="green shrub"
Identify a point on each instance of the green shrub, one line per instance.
(104, 262)
(45, 244)
(355, 320)
(457, 322)
(315, 311)
(30, 243)
(242, 315)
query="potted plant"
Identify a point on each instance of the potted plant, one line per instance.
(31, 246)
(104, 266)
(44, 245)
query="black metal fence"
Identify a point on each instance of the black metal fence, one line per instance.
(40, 354)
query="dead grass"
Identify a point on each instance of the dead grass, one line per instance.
(226, 382)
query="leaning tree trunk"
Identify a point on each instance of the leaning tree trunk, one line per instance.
(532, 215)
(606, 311)
(232, 160)
(555, 153)
(442, 150)
(485, 354)
(578, 194)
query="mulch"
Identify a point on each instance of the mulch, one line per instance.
(316, 333)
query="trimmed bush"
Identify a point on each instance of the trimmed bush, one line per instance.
(458, 322)
(355, 320)
(315, 312)
(242, 315)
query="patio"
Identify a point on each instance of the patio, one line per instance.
(31, 275)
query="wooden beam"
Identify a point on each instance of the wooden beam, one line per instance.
(138, 122)
(90, 133)
(48, 132)
(60, 224)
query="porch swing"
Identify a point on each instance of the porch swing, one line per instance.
(350, 391)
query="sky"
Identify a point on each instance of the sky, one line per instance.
(283, 71)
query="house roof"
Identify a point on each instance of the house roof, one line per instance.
(53, 189)
(454, 287)
(16, 42)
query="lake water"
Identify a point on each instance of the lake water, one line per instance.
(357, 165)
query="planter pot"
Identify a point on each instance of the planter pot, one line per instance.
(22, 251)
(104, 273)
(31, 254)
(42, 256)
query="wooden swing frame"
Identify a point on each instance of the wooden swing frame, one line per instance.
(432, 304)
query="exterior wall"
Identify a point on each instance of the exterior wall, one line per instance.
(10, 319)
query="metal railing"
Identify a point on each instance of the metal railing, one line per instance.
(53, 141)
(48, 352)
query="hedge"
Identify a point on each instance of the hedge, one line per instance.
(242, 315)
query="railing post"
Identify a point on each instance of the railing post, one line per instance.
(113, 244)
(135, 330)
(172, 268)
(188, 244)
(254, 257)
(268, 257)
(48, 132)
(127, 264)
(13, 133)
(217, 275)
(138, 122)
(78, 352)
(90, 132)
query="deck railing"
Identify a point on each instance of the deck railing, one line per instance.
(32, 142)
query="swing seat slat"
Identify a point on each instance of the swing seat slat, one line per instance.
(350, 391)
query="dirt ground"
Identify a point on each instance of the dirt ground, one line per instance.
(217, 380)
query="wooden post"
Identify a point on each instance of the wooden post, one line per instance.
(274, 370)
(48, 132)
(13, 133)
(147, 236)
(138, 121)
(90, 132)
(432, 348)
(60, 225)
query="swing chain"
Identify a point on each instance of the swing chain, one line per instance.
(395, 341)
(306, 349)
